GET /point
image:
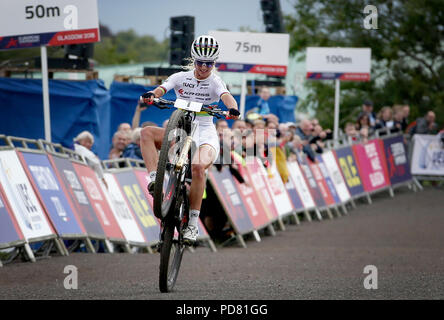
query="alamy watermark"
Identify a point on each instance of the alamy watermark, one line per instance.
(71, 281)
(371, 20)
(371, 281)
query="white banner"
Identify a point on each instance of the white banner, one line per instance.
(253, 47)
(301, 186)
(120, 209)
(336, 176)
(23, 17)
(428, 155)
(280, 195)
(24, 203)
(343, 60)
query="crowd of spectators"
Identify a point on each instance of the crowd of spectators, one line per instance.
(391, 120)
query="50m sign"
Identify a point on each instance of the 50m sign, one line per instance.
(29, 23)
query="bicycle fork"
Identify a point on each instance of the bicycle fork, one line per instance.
(187, 145)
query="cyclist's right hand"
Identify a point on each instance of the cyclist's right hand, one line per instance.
(148, 97)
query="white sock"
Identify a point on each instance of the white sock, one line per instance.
(194, 216)
(153, 175)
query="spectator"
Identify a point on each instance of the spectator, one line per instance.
(132, 150)
(398, 119)
(351, 132)
(405, 120)
(119, 143)
(221, 125)
(304, 131)
(82, 146)
(367, 108)
(239, 125)
(262, 104)
(385, 117)
(363, 121)
(124, 127)
(426, 125)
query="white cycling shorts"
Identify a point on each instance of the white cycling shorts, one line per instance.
(206, 134)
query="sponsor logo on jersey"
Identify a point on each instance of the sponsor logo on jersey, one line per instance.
(188, 85)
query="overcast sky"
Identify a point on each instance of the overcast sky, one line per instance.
(152, 16)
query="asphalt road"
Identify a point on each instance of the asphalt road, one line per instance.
(402, 237)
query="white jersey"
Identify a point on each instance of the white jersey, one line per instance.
(187, 87)
(206, 91)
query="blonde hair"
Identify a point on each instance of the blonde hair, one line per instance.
(84, 135)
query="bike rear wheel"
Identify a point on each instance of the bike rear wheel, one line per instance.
(167, 179)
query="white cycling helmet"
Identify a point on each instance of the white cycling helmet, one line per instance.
(205, 48)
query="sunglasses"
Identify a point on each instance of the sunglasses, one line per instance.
(206, 63)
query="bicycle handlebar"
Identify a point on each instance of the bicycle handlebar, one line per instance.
(213, 110)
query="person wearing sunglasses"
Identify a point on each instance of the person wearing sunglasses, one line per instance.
(200, 84)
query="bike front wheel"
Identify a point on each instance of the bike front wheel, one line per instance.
(167, 179)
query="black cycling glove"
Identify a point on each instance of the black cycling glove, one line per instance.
(233, 112)
(148, 95)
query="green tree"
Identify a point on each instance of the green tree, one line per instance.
(407, 54)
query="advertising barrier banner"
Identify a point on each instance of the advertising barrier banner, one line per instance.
(228, 194)
(349, 168)
(322, 183)
(280, 195)
(121, 210)
(134, 196)
(9, 230)
(328, 180)
(293, 194)
(428, 155)
(372, 166)
(332, 167)
(311, 183)
(24, 203)
(301, 185)
(253, 204)
(397, 160)
(51, 195)
(90, 184)
(260, 182)
(82, 206)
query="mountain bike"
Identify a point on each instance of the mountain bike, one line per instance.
(173, 177)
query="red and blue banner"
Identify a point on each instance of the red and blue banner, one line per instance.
(90, 184)
(322, 184)
(349, 168)
(139, 204)
(229, 197)
(64, 170)
(50, 193)
(250, 197)
(339, 76)
(311, 183)
(328, 179)
(372, 166)
(260, 183)
(397, 160)
(49, 38)
(253, 68)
